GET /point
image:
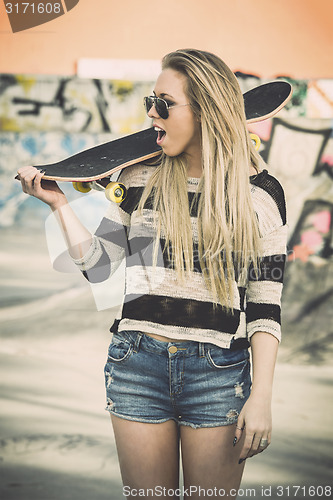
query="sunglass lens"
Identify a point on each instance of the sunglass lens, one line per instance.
(161, 108)
(148, 102)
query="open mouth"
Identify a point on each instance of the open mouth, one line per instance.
(160, 135)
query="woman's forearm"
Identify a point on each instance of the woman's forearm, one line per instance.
(77, 237)
(264, 347)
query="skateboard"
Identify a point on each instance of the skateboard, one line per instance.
(92, 168)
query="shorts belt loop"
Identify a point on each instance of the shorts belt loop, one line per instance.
(201, 350)
(137, 342)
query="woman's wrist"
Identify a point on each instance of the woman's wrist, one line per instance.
(261, 391)
(59, 203)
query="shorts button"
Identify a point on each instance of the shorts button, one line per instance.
(172, 349)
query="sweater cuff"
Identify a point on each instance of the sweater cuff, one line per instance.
(267, 326)
(91, 257)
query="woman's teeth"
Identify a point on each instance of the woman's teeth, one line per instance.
(161, 134)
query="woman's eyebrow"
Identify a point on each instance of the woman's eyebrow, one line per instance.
(163, 94)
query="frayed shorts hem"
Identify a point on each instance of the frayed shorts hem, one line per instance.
(163, 420)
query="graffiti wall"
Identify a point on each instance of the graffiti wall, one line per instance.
(46, 118)
(298, 148)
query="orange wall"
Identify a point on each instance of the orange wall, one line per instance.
(265, 37)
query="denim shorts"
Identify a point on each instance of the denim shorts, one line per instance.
(196, 384)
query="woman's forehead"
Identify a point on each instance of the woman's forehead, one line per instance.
(170, 83)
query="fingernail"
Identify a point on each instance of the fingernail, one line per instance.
(235, 441)
(242, 460)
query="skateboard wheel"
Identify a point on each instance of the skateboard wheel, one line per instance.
(82, 187)
(256, 141)
(115, 192)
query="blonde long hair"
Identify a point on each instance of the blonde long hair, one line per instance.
(228, 235)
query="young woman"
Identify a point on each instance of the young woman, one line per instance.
(203, 230)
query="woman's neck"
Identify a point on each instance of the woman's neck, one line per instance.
(194, 168)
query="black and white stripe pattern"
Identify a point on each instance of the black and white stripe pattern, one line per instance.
(157, 302)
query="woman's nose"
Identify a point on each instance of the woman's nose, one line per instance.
(152, 113)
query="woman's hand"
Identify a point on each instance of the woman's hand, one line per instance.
(77, 237)
(255, 421)
(46, 191)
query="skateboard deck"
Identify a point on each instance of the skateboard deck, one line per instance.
(261, 103)
(90, 168)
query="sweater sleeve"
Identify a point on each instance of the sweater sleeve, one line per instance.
(109, 243)
(263, 297)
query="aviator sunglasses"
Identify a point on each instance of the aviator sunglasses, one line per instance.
(161, 106)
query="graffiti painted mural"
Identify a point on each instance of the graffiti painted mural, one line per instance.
(45, 118)
(298, 148)
(71, 104)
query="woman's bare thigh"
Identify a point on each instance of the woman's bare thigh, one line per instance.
(210, 460)
(148, 454)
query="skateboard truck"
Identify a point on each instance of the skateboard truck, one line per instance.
(114, 191)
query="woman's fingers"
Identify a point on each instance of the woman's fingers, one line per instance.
(247, 445)
(254, 443)
(24, 171)
(47, 191)
(30, 179)
(239, 429)
(260, 444)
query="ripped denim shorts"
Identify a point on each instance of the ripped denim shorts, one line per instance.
(196, 384)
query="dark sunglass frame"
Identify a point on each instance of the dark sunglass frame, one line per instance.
(161, 106)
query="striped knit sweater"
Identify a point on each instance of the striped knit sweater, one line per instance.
(157, 302)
